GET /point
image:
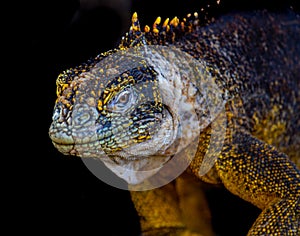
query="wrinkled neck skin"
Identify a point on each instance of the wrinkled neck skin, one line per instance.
(180, 124)
(179, 97)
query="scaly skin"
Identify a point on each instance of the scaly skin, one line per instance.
(254, 60)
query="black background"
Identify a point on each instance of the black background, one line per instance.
(58, 194)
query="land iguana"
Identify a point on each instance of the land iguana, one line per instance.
(223, 97)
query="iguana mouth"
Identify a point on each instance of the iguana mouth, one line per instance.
(71, 141)
(75, 149)
(68, 144)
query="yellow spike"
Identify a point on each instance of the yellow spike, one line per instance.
(174, 21)
(134, 17)
(157, 21)
(182, 25)
(166, 22)
(156, 31)
(147, 29)
(167, 28)
(135, 22)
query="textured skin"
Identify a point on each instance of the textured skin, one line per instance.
(255, 58)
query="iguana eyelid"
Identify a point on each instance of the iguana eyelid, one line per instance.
(123, 97)
(117, 106)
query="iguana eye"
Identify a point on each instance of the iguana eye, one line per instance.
(122, 101)
(123, 98)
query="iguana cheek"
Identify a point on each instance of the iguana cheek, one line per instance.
(157, 144)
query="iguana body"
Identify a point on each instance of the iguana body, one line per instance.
(254, 59)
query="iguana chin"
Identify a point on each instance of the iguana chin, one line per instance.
(225, 96)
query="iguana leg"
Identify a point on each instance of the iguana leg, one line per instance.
(193, 204)
(160, 213)
(260, 174)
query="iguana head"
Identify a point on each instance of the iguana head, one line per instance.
(132, 107)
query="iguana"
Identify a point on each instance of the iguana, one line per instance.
(223, 98)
